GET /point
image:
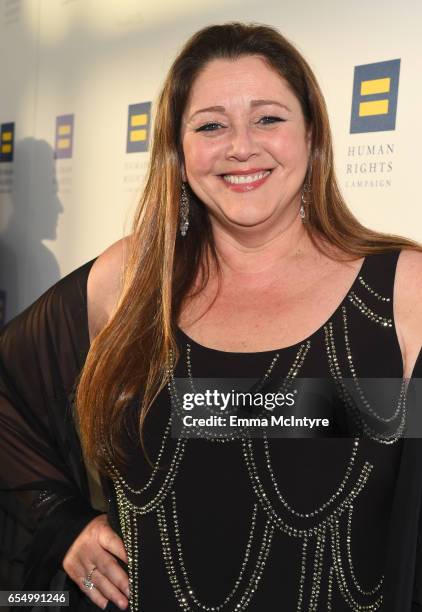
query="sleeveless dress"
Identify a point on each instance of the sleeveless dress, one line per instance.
(47, 498)
(268, 523)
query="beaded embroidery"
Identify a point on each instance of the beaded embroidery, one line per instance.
(340, 575)
(350, 560)
(374, 293)
(365, 310)
(348, 400)
(323, 523)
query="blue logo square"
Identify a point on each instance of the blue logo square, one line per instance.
(7, 142)
(63, 148)
(138, 127)
(375, 93)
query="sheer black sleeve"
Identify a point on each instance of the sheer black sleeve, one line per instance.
(43, 483)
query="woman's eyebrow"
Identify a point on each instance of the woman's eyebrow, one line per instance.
(218, 109)
(253, 104)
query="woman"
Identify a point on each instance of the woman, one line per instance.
(243, 262)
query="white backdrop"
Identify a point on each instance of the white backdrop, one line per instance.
(93, 59)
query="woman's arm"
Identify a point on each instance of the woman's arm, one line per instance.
(408, 307)
(42, 475)
(105, 284)
(408, 316)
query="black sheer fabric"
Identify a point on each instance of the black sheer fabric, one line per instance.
(44, 488)
(43, 481)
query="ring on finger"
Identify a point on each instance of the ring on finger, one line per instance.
(87, 582)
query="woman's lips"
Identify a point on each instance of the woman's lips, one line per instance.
(245, 182)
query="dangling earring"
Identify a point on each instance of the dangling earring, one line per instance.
(184, 211)
(302, 210)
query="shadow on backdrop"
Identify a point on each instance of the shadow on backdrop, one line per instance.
(27, 266)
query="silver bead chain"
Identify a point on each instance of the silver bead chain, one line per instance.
(201, 432)
(330, 590)
(183, 596)
(335, 371)
(370, 290)
(350, 559)
(368, 312)
(340, 576)
(162, 492)
(182, 565)
(329, 501)
(155, 468)
(302, 574)
(317, 569)
(268, 508)
(242, 431)
(356, 380)
(293, 372)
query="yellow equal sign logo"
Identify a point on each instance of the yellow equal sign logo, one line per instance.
(64, 136)
(7, 135)
(375, 92)
(374, 107)
(138, 127)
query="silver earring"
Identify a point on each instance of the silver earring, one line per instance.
(302, 210)
(184, 211)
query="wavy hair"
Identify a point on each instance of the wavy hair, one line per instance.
(129, 358)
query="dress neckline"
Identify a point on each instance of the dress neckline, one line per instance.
(188, 340)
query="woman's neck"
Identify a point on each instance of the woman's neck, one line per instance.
(249, 255)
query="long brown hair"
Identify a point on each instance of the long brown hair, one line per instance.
(129, 357)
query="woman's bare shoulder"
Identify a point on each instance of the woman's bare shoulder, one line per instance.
(105, 284)
(408, 305)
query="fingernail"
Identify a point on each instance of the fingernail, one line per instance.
(127, 592)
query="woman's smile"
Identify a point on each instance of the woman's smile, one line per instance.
(248, 180)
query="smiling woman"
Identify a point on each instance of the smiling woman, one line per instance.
(223, 143)
(244, 263)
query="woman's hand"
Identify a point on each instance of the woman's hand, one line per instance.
(96, 547)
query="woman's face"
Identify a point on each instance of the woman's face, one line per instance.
(245, 143)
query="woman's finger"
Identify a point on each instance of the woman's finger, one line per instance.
(94, 594)
(109, 540)
(99, 547)
(106, 590)
(109, 567)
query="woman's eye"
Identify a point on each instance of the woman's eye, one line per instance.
(208, 127)
(270, 119)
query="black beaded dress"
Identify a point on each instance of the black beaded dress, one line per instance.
(276, 523)
(246, 524)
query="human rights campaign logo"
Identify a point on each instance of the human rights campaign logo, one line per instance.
(375, 92)
(138, 127)
(7, 137)
(64, 136)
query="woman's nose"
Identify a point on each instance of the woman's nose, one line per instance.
(243, 144)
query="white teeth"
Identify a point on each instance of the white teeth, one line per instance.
(235, 179)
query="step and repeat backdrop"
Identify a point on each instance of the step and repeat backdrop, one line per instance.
(79, 80)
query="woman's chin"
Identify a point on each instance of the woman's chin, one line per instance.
(248, 220)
